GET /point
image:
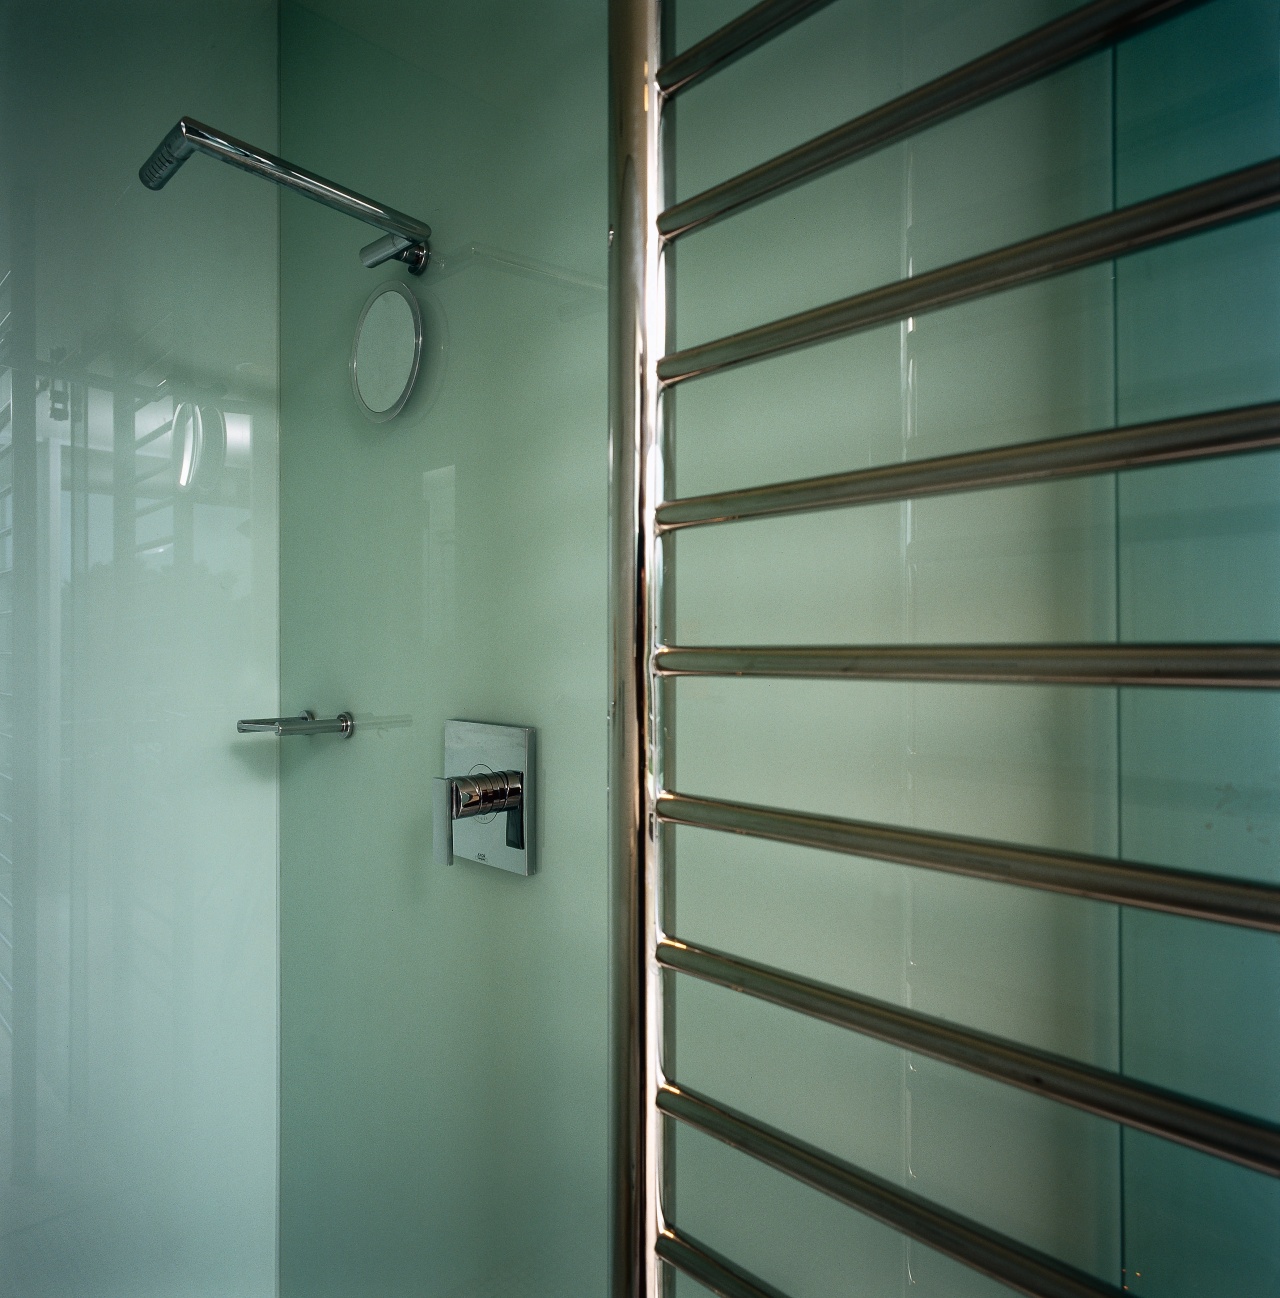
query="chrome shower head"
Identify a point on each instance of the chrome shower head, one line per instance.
(170, 154)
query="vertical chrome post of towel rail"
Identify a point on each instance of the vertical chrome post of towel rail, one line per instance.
(637, 325)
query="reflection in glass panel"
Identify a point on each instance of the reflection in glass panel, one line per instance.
(137, 621)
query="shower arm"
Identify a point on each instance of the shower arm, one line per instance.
(406, 238)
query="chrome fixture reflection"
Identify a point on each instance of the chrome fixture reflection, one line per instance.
(387, 351)
(59, 388)
(305, 723)
(406, 239)
(199, 445)
(467, 800)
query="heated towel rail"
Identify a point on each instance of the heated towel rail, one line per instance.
(642, 228)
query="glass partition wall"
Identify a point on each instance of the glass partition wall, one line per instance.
(253, 1038)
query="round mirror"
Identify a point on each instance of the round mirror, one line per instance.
(386, 352)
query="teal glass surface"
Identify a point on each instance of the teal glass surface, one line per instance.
(443, 1029)
(138, 917)
(1199, 559)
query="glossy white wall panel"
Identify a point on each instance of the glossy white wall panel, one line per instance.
(444, 1028)
(138, 1086)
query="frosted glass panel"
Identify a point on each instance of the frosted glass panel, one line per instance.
(137, 623)
(443, 1028)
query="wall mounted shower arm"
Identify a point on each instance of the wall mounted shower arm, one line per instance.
(407, 239)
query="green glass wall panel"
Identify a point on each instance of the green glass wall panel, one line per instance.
(137, 623)
(443, 1028)
(1199, 558)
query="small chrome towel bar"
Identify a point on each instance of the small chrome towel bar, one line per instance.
(304, 724)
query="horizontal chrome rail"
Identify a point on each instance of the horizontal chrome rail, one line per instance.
(303, 724)
(762, 23)
(1223, 1133)
(1193, 894)
(1067, 39)
(1220, 432)
(1175, 215)
(408, 239)
(708, 1268)
(1024, 1269)
(1200, 666)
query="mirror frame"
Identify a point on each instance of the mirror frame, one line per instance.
(381, 416)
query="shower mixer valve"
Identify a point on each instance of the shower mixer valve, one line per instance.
(481, 808)
(459, 797)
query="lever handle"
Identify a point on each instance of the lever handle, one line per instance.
(305, 724)
(459, 797)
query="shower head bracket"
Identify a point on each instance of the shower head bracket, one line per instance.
(415, 255)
